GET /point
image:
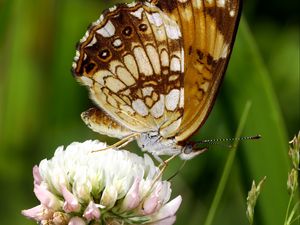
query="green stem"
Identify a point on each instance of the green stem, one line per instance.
(292, 214)
(288, 210)
(296, 218)
(227, 169)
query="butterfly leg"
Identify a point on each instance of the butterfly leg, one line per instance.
(120, 143)
(178, 171)
(166, 162)
(158, 159)
(162, 167)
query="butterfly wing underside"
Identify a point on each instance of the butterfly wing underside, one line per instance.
(101, 123)
(208, 29)
(131, 60)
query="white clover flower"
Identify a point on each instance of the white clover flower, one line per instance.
(78, 187)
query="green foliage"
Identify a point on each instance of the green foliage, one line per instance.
(40, 106)
(252, 199)
(293, 210)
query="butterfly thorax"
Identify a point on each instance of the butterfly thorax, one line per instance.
(154, 143)
(157, 145)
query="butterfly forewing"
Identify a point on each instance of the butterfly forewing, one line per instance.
(131, 59)
(208, 29)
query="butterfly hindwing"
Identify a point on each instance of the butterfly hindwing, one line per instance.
(101, 123)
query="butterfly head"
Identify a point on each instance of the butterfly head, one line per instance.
(190, 150)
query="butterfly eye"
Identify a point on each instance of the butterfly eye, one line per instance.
(143, 27)
(127, 31)
(104, 55)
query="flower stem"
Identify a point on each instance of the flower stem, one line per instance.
(289, 218)
(288, 209)
(227, 168)
(294, 220)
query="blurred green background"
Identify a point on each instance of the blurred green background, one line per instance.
(40, 106)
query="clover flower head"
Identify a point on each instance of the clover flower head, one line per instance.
(80, 187)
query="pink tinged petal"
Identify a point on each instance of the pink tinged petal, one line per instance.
(46, 198)
(132, 199)
(71, 203)
(168, 221)
(150, 205)
(76, 221)
(92, 212)
(152, 202)
(37, 213)
(165, 193)
(36, 175)
(169, 209)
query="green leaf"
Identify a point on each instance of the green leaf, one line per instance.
(227, 168)
(248, 80)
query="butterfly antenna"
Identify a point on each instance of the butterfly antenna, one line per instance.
(218, 140)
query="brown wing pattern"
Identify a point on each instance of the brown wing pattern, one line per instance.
(131, 59)
(101, 123)
(208, 29)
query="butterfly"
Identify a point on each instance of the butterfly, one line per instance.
(153, 68)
